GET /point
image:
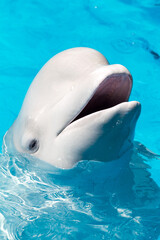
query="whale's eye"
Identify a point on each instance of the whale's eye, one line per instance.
(33, 145)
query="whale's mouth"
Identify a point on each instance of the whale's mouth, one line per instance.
(112, 91)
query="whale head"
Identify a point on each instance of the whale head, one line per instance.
(76, 108)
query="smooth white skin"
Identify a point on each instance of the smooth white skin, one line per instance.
(57, 94)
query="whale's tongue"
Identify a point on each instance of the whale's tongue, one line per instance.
(113, 90)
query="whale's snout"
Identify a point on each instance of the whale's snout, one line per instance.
(133, 112)
(135, 107)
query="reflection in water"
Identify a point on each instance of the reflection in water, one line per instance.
(39, 202)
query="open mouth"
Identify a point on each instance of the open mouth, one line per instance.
(112, 91)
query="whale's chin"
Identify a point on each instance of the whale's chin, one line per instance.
(112, 91)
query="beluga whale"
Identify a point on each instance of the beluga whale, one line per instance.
(76, 109)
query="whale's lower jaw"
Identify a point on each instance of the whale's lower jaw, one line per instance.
(105, 135)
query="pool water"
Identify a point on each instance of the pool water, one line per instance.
(86, 202)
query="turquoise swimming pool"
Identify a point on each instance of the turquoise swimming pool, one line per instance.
(84, 202)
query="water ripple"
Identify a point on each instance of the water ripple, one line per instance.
(81, 203)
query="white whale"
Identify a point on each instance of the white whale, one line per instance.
(76, 108)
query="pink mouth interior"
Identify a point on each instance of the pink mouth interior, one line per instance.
(113, 90)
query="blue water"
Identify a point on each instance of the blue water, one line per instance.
(84, 202)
